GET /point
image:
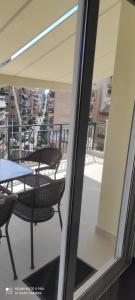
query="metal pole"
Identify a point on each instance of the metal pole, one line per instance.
(8, 144)
(94, 135)
(106, 127)
(19, 118)
(60, 136)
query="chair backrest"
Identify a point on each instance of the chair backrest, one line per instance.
(17, 155)
(44, 196)
(49, 156)
(6, 208)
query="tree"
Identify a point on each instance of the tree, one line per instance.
(32, 140)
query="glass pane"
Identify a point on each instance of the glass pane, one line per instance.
(108, 136)
(35, 105)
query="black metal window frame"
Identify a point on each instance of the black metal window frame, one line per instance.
(82, 84)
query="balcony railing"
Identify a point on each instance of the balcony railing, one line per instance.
(16, 141)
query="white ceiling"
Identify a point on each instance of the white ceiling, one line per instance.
(51, 59)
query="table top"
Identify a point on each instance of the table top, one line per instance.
(10, 170)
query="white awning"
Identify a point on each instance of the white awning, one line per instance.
(49, 63)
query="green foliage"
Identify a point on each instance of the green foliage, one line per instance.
(46, 114)
(15, 129)
(40, 142)
(100, 147)
(42, 127)
(32, 140)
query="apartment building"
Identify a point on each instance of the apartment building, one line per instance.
(3, 119)
(100, 103)
(2, 110)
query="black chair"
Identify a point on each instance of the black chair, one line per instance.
(6, 208)
(36, 205)
(50, 157)
(19, 155)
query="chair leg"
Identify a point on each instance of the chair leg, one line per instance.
(24, 184)
(55, 174)
(12, 186)
(32, 250)
(7, 185)
(60, 218)
(10, 252)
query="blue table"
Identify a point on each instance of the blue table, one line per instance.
(10, 170)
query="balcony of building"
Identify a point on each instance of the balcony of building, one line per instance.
(18, 142)
(47, 236)
(49, 64)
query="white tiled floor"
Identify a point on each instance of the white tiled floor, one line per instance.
(93, 248)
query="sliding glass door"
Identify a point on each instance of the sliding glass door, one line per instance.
(97, 236)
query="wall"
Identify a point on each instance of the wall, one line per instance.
(123, 96)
